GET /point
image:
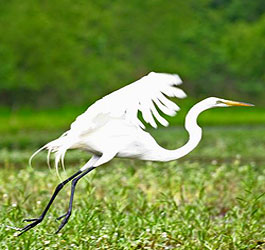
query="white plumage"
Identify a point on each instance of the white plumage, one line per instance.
(111, 128)
(127, 101)
(118, 112)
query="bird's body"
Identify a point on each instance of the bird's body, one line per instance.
(118, 138)
(111, 128)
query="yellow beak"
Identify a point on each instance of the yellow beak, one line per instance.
(233, 103)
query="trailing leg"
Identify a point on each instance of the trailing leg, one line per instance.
(36, 221)
(68, 214)
(85, 169)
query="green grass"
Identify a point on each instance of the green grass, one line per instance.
(211, 199)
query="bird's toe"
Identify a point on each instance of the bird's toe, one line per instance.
(30, 220)
(65, 220)
(62, 216)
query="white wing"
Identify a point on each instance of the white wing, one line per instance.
(125, 103)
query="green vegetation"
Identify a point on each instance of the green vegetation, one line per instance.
(64, 52)
(211, 199)
(57, 57)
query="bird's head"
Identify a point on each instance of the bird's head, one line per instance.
(215, 102)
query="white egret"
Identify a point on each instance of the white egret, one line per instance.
(111, 128)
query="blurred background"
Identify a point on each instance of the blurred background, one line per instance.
(58, 53)
(58, 57)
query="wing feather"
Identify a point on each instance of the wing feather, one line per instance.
(141, 95)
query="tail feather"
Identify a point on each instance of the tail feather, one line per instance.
(59, 147)
(35, 153)
(48, 158)
(62, 159)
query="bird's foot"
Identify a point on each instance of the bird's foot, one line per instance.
(34, 223)
(29, 220)
(66, 217)
(62, 216)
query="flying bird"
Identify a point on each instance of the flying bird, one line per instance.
(111, 128)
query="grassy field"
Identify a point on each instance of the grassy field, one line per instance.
(211, 199)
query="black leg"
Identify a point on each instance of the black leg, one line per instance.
(68, 214)
(38, 220)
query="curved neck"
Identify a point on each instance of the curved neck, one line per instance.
(195, 134)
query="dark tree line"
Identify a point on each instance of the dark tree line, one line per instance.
(62, 52)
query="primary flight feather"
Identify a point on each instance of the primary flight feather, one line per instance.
(137, 96)
(111, 128)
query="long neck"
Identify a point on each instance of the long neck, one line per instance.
(195, 135)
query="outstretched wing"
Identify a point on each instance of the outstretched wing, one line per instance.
(146, 95)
